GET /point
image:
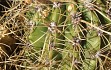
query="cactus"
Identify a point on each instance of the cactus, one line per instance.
(75, 26)
(62, 35)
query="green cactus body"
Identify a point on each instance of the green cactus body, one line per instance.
(72, 33)
(57, 18)
(72, 30)
(100, 4)
(102, 11)
(104, 16)
(93, 41)
(37, 37)
(55, 55)
(55, 14)
(89, 64)
(69, 35)
(92, 46)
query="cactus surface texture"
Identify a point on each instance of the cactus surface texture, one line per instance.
(55, 35)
